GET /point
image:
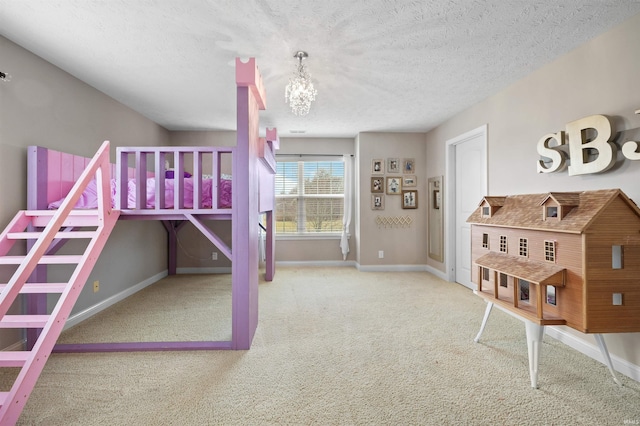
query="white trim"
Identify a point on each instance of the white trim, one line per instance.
(592, 351)
(196, 270)
(450, 193)
(321, 263)
(392, 268)
(438, 273)
(92, 310)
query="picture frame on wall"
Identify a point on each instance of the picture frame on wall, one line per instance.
(377, 166)
(394, 185)
(377, 202)
(393, 165)
(409, 181)
(408, 166)
(409, 199)
(377, 184)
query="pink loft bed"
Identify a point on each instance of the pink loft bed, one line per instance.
(195, 189)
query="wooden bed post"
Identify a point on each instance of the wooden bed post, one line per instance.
(245, 227)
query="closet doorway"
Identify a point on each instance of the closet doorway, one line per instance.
(466, 172)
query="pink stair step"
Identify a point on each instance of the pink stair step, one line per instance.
(40, 288)
(76, 217)
(45, 260)
(61, 235)
(24, 321)
(13, 359)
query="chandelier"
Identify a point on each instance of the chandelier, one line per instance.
(299, 93)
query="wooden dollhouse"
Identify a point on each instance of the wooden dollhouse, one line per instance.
(561, 258)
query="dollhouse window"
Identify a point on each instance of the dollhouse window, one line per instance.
(617, 257)
(485, 274)
(524, 289)
(552, 211)
(485, 241)
(486, 211)
(550, 251)
(524, 247)
(503, 243)
(503, 280)
(551, 295)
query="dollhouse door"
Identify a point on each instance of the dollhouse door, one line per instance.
(469, 181)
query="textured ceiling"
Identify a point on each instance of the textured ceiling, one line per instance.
(378, 65)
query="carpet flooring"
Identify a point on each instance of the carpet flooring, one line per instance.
(334, 346)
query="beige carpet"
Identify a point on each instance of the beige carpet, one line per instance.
(334, 346)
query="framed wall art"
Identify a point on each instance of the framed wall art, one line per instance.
(377, 166)
(377, 184)
(409, 199)
(394, 185)
(408, 166)
(377, 202)
(393, 165)
(409, 181)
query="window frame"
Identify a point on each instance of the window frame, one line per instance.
(302, 232)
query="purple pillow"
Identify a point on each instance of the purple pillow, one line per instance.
(169, 174)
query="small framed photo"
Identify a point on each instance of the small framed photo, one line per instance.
(409, 166)
(377, 166)
(409, 181)
(394, 185)
(393, 165)
(377, 202)
(377, 184)
(409, 199)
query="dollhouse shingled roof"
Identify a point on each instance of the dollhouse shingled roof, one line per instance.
(524, 268)
(525, 211)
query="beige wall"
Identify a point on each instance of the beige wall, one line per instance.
(43, 105)
(402, 246)
(600, 77)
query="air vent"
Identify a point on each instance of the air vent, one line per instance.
(297, 131)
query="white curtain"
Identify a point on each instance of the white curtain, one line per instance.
(348, 204)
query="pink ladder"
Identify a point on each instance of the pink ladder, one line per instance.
(42, 232)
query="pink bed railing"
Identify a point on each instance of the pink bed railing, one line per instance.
(140, 163)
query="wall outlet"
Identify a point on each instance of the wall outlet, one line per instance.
(96, 286)
(214, 255)
(381, 254)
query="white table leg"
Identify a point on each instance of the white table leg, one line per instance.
(607, 358)
(484, 320)
(534, 340)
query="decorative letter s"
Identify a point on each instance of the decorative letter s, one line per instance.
(557, 157)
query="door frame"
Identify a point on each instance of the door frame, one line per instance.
(450, 179)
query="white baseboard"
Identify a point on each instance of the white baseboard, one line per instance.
(391, 268)
(224, 270)
(438, 273)
(327, 263)
(91, 311)
(593, 351)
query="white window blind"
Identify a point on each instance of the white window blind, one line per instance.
(309, 197)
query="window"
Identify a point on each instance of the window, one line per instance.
(552, 211)
(485, 274)
(309, 197)
(524, 289)
(551, 295)
(524, 249)
(503, 280)
(503, 243)
(550, 251)
(485, 241)
(486, 212)
(617, 257)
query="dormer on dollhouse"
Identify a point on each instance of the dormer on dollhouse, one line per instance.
(561, 258)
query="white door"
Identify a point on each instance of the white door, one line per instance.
(468, 180)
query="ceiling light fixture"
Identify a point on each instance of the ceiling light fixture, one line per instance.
(5, 77)
(300, 92)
